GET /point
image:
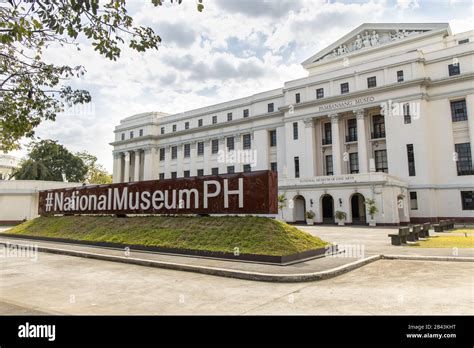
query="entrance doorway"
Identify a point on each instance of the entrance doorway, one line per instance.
(327, 206)
(358, 209)
(300, 208)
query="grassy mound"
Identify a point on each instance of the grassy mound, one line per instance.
(252, 235)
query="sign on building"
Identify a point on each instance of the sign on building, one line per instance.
(240, 193)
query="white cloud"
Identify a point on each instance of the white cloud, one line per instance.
(230, 50)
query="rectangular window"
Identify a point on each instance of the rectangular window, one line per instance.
(123, 136)
(454, 69)
(464, 159)
(273, 166)
(229, 116)
(214, 119)
(215, 146)
(381, 164)
(174, 152)
(378, 123)
(162, 154)
(371, 82)
(354, 162)
(295, 130)
(467, 199)
(458, 110)
(162, 176)
(247, 141)
(200, 122)
(273, 138)
(413, 201)
(411, 160)
(131, 135)
(329, 167)
(406, 113)
(187, 150)
(297, 167)
(186, 125)
(162, 130)
(200, 172)
(271, 107)
(174, 128)
(246, 113)
(186, 173)
(174, 175)
(200, 149)
(352, 130)
(140, 132)
(298, 98)
(230, 170)
(344, 87)
(320, 93)
(215, 171)
(247, 168)
(463, 41)
(327, 139)
(400, 77)
(230, 143)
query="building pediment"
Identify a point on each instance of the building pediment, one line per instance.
(373, 35)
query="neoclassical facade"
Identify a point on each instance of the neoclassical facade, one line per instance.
(386, 113)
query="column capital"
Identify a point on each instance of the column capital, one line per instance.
(360, 113)
(127, 156)
(238, 138)
(308, 122)
(334, 118)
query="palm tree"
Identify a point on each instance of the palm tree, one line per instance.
(281, 204)
(32, 170)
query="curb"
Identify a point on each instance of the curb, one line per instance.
(428, 258)
(256, 276)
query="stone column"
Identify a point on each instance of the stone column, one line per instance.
(238, 146)
(261, 144)
(179, 161)
(117, 175)
(126, 172)
(336, 144)
(281, 152)
(149, 166)
(222, 149)
(167, 167)
(470, 122)
(207, 157)
(192, 158)
(361, 141)
(310, 149)
(136, 166)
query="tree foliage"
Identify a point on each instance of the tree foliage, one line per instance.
(33, 90)
(48, 160)
(96, 173)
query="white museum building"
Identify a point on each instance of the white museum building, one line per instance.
(385, 113)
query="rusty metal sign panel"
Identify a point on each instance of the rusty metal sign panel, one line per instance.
(240, 193)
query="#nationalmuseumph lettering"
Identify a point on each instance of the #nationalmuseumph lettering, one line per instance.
(242, 193)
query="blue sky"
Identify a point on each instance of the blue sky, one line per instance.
(232, 49)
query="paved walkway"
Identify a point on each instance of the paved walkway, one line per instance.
(361, 243)
(59, 284)
(376, 241)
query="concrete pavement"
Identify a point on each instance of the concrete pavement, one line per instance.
(61, 284)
